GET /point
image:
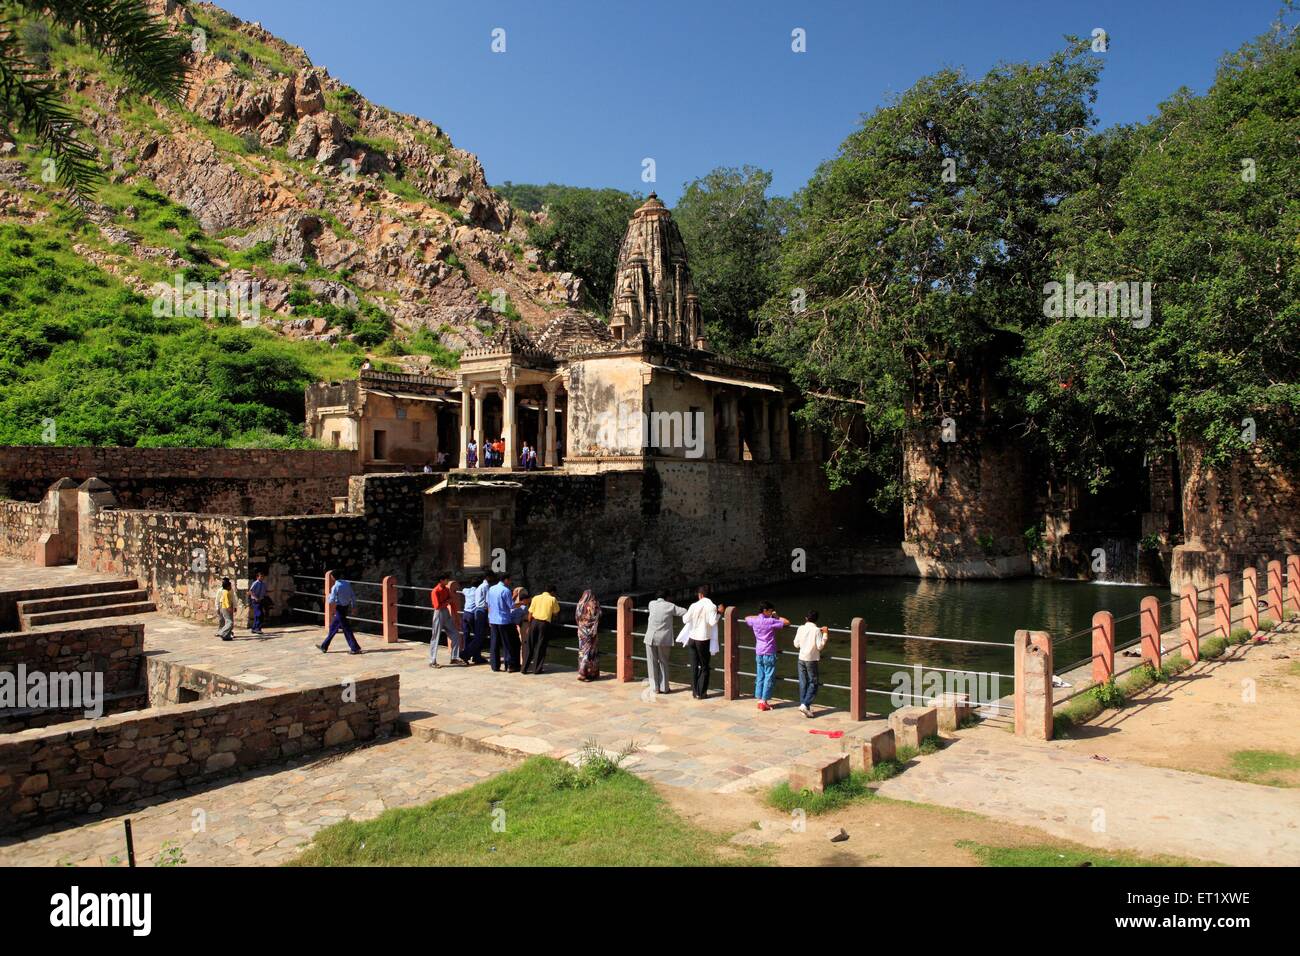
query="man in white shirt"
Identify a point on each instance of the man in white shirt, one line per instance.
(809, 641)
(700, 634)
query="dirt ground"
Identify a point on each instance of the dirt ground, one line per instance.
(881, 832)
(1247, 700)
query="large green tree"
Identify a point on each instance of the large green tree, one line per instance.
(916, 258)
(1204, 203)
(138, 45)
(733, 231)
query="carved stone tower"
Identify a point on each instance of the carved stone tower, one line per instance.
(653, 295)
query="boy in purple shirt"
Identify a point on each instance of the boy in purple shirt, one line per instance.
(765, 624)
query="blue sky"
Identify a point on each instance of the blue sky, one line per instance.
(587, 89)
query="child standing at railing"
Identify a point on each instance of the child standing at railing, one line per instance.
(765, 624)
(809, 641)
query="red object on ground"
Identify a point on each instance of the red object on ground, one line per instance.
(833, 734)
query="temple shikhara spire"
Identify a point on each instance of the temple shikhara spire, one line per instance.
(653, 295)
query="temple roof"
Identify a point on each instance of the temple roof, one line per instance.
(654, 297)
(573, 330)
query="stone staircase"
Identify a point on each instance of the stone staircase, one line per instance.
(84, 602)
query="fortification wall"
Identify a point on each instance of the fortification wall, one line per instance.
(202, 480)
(21, 525)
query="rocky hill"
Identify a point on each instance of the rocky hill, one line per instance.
(347, 215)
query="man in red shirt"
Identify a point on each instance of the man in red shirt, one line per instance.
(441, 599)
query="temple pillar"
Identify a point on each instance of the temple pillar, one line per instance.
(462, 457)
(763, 433)
(806, 451)
(549, 461)
(479, 393)
(508, 425)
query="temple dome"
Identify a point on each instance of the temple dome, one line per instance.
(653, 294)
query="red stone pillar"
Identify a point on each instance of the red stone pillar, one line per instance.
(858, 670)
(1189, 623)
(623, 627)
(1275, 591)
(390, 609)
(329, 606)
(1150, 618)
(1033, 670)
(730, 655)
(1293, 582)
(1222, 605)
(1103, 647)
(1250, 600)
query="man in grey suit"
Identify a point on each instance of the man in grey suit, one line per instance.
(659, 639)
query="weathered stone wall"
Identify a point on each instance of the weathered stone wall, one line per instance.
(114, 650)
(1234, 518)
(48, 774)
(382, 534)
(179, 558)
(21, 525)
(204, 480)
(967, 503)
(171, 683)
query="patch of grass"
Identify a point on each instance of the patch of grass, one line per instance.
(1239, 635)
(1258, 766)
(1267, 624)
(532, 815)
(1041, 855)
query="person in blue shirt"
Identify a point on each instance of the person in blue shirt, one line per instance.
(474, 619)
(256, 595)
(504, 616)
(343, 599)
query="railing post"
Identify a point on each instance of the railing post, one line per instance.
(730, 655)
(1250, 600)
(390, 610)
(1150, 618)
(1189, 623)
(329, 605)
(858, 670)
(1033, 670)
(1223, 605)
(1275, 591)
(1293, 581)
(1103, 647)
(623, 627)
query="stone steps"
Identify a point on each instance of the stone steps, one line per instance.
(84, 602)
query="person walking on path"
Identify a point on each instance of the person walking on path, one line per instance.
(587, 617)
(700, 633)
(542, 611)
(765, 624)
(226, 610)
(503, 620)
(343, 599)
(809, 641)
(257, 602)
(659, 639)
(440, 598)
(475, 622)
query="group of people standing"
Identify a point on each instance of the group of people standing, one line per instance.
(516, 628)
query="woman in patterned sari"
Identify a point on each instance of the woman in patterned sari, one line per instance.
(587, 616)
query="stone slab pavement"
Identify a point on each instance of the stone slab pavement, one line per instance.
(261, 818)
(1112, 805)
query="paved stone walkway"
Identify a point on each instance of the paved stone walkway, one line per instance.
(262, 818)
(1112, 805)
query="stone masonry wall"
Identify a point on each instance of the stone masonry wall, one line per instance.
(48, 774)
(114, 650)
(1240, 517)
(168, 682)
(179, 558)
(206, 480)
(21, 525)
